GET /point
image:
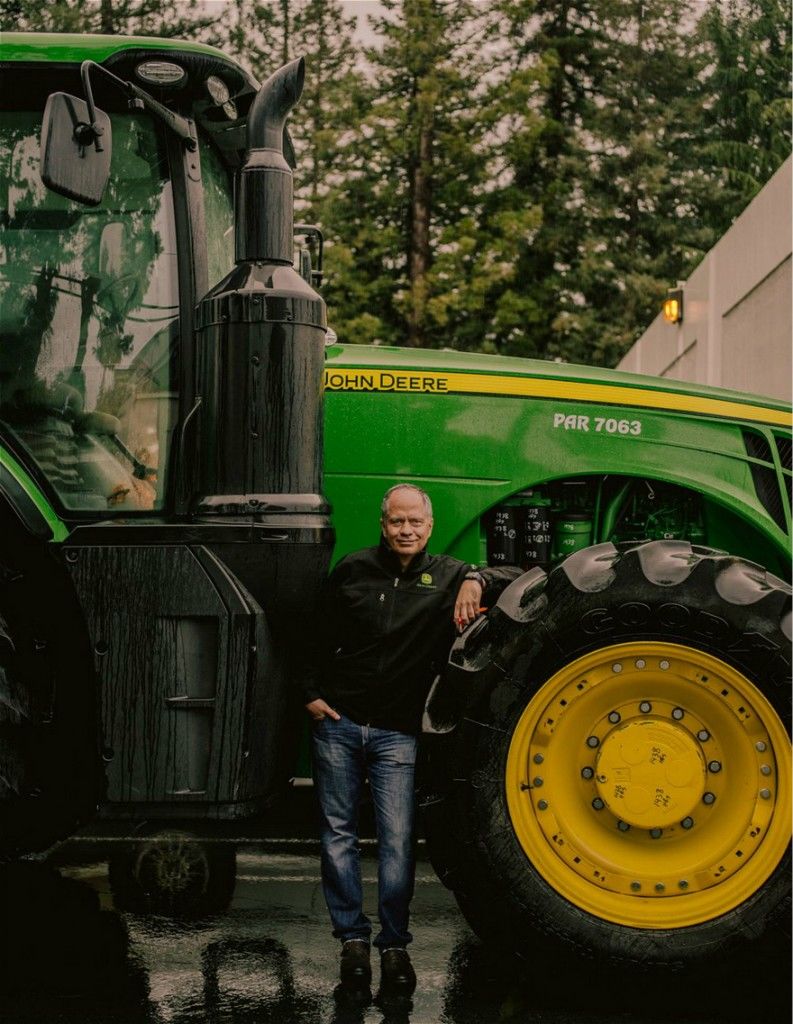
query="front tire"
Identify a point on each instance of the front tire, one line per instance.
(626, 788)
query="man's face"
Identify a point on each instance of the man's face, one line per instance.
(406, 525)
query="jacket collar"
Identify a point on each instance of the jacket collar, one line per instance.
(389, 559)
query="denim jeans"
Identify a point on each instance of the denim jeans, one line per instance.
(344, 755)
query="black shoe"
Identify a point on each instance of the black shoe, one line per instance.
(355, 970)
(396, 971)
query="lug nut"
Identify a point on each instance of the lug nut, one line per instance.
(538, 758)
(623, 826)
(709, 798)
(765, 769)
(598, 804)
(682, 884)
(537, 781)
(677, 713)
(714, 766)
(656, 833)
(765, 794)
(687, 822)
(543, 805)
(614, 717)
(640, 663)
(616, 667)
(592, 741)
(636, 886)
(664, 664)
(760, 746)
(587, 773)
(659, 887)
(703, 735)
(645, 707)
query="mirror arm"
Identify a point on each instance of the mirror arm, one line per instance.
(179, 125)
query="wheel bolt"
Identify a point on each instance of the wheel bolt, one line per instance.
(636, 886)
(656, 833)
(708, 798)
(664, 664)
(543, 805)
(645, 707)
(765, 769)
(677, 713)
(703, 735)
(682, 884)
(659, 887)
(714, 766)
(687, 822)
(538, 758)
(598, 804)
(623, 826)
(587, 773)
(640, 663)
(537, 781)
(616, 667)
(765, 794)
(614, 717)
(760, 746)
(592, 741)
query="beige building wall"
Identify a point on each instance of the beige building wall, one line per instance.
(737, 325)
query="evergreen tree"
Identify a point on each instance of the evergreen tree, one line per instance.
(110, 17)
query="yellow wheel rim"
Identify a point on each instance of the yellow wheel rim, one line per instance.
(650, 785)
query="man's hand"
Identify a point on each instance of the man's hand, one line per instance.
(466, 605)
(318, 710)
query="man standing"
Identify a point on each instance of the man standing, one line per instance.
(386, 625)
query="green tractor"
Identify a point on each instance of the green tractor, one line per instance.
(606, 757)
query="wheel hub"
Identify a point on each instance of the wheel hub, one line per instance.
(650, 773)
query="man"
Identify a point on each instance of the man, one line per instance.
(386, 625)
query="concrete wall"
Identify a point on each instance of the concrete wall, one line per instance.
(737, 326)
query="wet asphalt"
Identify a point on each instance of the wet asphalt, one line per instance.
(79, 942)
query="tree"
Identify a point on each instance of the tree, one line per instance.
(110, 17)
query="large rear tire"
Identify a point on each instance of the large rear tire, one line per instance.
(626, 786)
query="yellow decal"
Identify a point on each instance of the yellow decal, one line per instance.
(431, 381)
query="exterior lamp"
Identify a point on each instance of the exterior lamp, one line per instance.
(673, 306)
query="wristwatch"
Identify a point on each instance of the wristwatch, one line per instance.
(477, 577)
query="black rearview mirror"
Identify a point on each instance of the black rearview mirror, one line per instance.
(75, 152)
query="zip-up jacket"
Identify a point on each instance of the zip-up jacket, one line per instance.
(384, 633)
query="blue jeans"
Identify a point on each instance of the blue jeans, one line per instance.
(344, 755)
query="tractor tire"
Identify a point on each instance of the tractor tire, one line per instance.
(625, 785)
(50, 775)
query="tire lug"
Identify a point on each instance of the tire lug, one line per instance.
(687, 822)
(677, 714)
(708, 798)
(656, 833)
(598, 804)
(623, 826)
(765, 769)
(765, 794)
(645, 707)
(587, 773)
(703, 735)
(714, 766)
(538, 758)
(614, 717)
(592, 741)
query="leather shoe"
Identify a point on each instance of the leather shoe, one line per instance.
(355, 970)
(396, 971)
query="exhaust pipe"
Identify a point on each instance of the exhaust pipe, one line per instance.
(264, 215)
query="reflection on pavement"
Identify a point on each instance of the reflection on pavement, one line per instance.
(68, 953)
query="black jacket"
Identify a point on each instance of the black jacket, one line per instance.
(384, 633)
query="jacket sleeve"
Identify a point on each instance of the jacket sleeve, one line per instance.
(323, 632)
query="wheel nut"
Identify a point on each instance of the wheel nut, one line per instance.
(703, 735)
(677, 713)
(616, 667)
(623, 826)
(592, 741)
(765, 794)
(664, 664)
(682, 884)
(760, 746)
(598, 804)
(656, 833)
(538, 758)
(765, 769)
(708, 798)
(640, 663)
(587, 773)
(714, 766)
(537, 781)
(659, 887)
(614, 717)
(645, 707)
(636, 886)
(543, 805)
(687, 822)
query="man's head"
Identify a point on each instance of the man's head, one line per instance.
(406, 520)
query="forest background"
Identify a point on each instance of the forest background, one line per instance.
(525, 177)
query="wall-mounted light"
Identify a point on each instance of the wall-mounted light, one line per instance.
(673, 306)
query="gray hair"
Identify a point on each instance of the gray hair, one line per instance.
(406, 487)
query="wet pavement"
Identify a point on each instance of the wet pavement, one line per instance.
(81, 942)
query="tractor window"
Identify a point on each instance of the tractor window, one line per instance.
(219, 209)
(89, 319)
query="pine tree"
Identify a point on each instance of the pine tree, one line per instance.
(110, 17)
